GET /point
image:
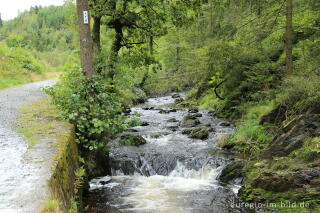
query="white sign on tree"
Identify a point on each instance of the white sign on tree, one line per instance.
(85, 17)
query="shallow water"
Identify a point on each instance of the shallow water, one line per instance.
(171, 173)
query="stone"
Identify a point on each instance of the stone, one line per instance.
(164, 111)
(199, 133)
(172, 120)
(293, 135)
(193, 110)
(274, 182)
(186, 131)
(132, 140)
(173, 128)
(232, 171)
(178, 100)
(224, 124)
(188, 123)
(144, 123)
(176, 96)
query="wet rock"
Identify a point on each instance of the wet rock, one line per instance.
(193, 116)
(225, 124)
(164, 111)
(159, 135)
(132, 130)
(148, 165)
(306, 176)
(176, 96)
(148, 108)
(144, 123)
(178, 100)
(173, 128)
(199, 133)
(274, 182)
(172, 120)
(193, 110)
(212, 113)
(187, 131)
(132, 140)
(293, 136)
(232, 171)
(188, 123)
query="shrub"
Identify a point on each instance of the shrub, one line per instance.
(90, 106)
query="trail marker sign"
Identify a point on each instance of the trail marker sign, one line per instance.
(85, 17)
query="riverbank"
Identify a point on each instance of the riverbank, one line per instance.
(283, 168)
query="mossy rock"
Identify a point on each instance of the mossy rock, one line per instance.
(232, 171)
(190, 120)
(199, 133)
(132, 140)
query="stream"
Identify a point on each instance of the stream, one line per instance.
(171, 173)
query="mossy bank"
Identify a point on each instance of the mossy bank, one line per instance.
(48, 135)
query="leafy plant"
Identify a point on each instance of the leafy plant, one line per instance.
(90, 106)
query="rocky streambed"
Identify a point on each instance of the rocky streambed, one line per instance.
(175, 168)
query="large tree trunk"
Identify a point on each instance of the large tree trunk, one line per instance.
(96, 34)
(289, 37)
(85, 38)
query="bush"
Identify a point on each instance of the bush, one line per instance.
(90, 106)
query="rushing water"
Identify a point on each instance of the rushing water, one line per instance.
(171, 173)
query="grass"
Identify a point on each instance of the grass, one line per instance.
(39, 120)
(250, 137)
(51, 206)
(20, 65)
(14, 79)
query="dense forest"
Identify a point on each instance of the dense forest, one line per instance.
(254, 63)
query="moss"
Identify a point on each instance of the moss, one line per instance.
(39, 120)
(132, 140)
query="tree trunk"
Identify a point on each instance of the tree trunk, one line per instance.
(116, 46)
(85, 38)
(289, 38)
(96, 34)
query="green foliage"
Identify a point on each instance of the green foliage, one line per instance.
(300, 94)
(250, 137)
(134, 120)
(89, 105)
(35, 45)
(18, 66)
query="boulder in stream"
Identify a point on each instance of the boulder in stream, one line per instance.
(188, 123)
(176, 96)
(199, 133)
(193, 110)
(178, 100)
(132, 140)
(232, 171)
(172, 120)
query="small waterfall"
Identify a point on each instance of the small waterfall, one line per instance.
(172, 173)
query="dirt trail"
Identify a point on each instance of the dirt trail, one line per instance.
(23, 172)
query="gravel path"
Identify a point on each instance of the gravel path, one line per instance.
(23, 172)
